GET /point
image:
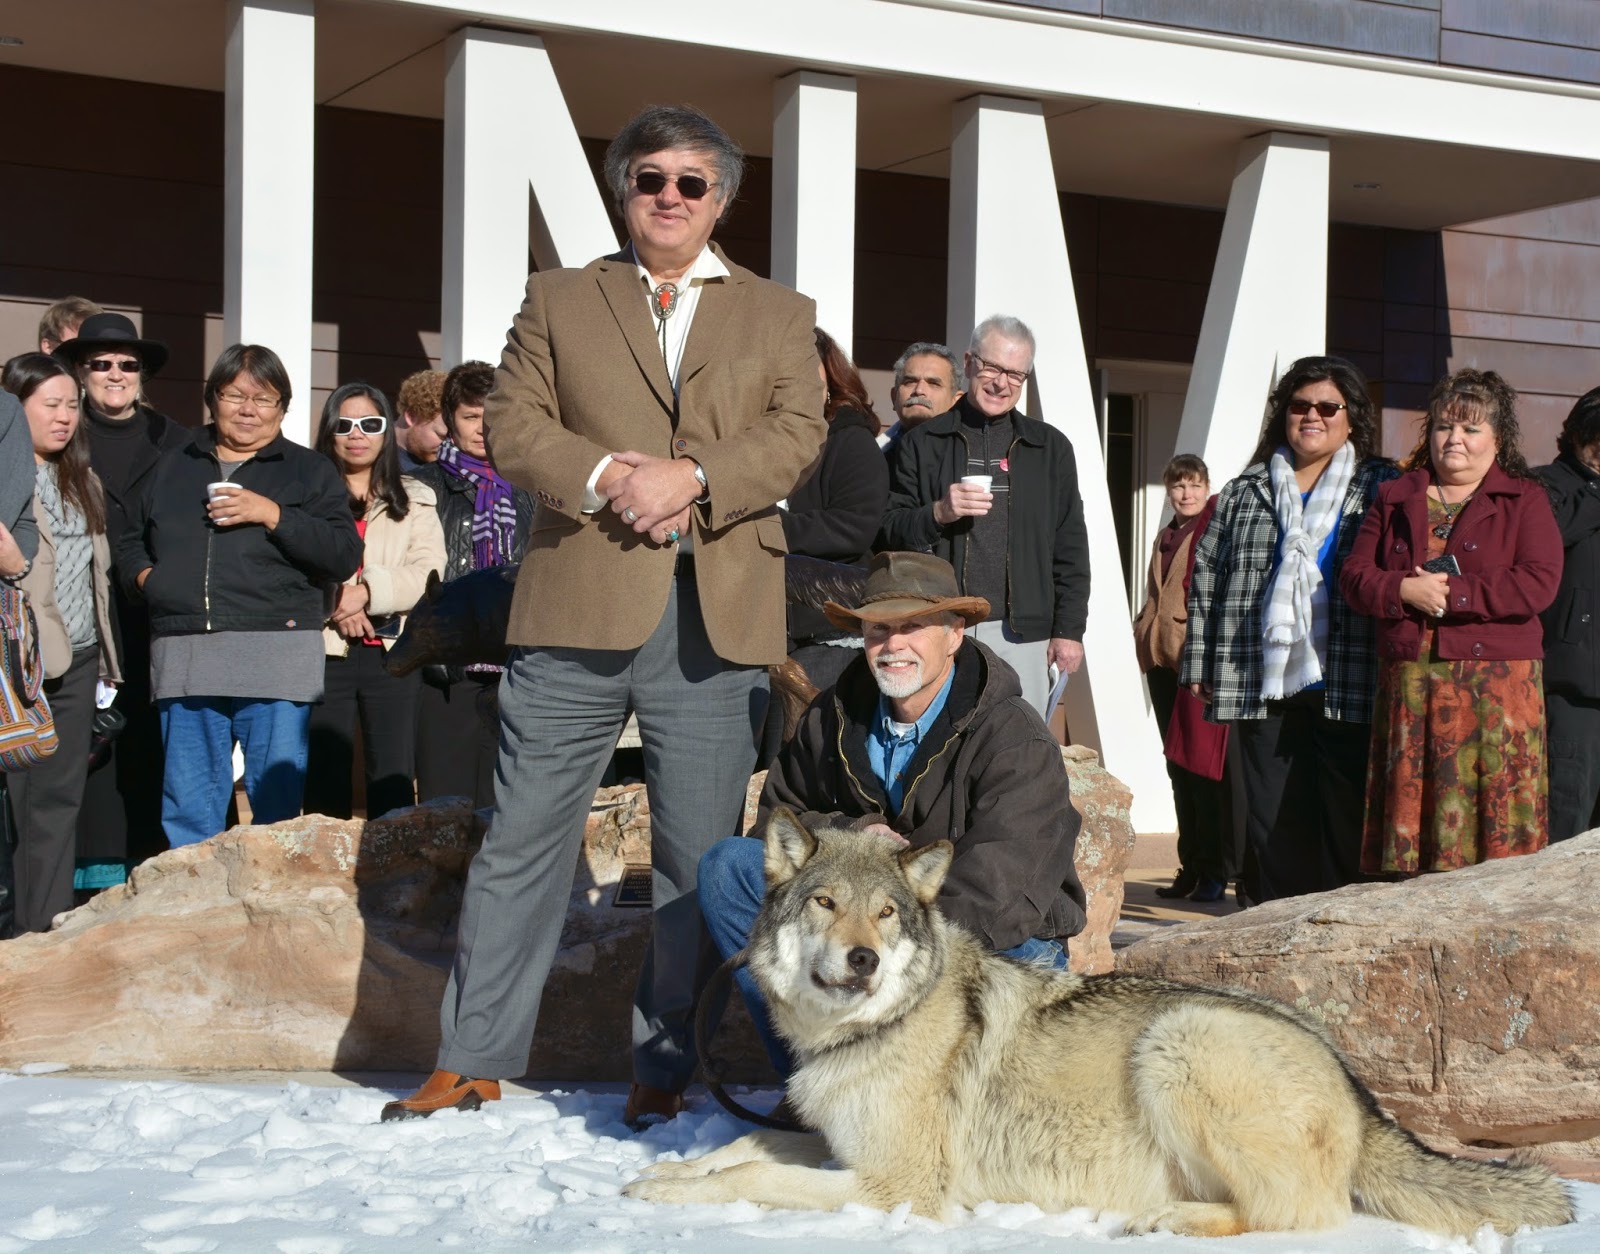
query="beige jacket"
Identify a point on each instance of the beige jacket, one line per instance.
(396, 561)
(582, 376)
(55, 646)
(1159, 631)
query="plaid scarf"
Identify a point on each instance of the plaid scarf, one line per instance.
(494, 511)
(1294, 621)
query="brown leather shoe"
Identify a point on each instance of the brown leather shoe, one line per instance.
(444, 1090)
(648, 1106)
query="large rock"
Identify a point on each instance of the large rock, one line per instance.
(1468, 1002)
(319, 943)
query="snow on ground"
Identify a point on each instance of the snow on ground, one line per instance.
(188, 1168)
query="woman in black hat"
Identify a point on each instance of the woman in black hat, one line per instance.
(122, 802)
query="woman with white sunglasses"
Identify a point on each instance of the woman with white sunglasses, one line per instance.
(402, 544)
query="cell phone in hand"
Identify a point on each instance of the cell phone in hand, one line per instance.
(1445, 565)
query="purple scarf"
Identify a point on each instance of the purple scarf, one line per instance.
(494, 510)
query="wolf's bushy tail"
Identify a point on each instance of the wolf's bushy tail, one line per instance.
(1400, 1178)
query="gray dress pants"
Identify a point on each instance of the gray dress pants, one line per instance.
(1030, 659)
(561, 711)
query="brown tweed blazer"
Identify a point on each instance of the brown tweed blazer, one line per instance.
(582, 376)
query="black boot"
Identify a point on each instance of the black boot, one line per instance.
(1184, 884)
(1209, 890)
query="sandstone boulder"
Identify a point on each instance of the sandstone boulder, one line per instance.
(1468, 1002)
(320, 944)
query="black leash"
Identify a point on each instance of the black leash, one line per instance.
(712, 1069)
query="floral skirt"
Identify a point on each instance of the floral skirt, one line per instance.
(1458, 772)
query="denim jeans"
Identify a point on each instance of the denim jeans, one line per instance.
(199, 733)
(732, 883)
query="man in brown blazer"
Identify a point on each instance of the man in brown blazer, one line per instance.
(657, 403)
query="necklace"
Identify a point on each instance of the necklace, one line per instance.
(1451, 513)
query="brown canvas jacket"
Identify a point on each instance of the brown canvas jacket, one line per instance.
(988, 777)
(582, 376)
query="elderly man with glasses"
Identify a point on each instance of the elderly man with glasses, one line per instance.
(995, 493)
(658, 403)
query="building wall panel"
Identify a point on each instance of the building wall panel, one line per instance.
(1390, 29)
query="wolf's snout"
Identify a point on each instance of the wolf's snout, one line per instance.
(863, 961)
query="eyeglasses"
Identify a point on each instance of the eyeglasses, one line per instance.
(104, 365)
(233, 400)
(988, 370)
(690, 186)
(372, 424)
(1325, 409)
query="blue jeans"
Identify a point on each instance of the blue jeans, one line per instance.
(199, 732)
(732, 882)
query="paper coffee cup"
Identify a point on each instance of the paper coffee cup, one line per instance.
(979, 481)
(221, 487)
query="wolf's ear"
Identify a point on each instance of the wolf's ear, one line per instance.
(926, 867)
(789, 846)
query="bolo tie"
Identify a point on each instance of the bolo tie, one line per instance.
(666, 304)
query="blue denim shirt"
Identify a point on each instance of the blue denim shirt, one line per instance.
(888, 753)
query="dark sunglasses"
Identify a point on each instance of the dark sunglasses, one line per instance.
(690, 186)
(1326, 409)
(104, 365)
(372, 424)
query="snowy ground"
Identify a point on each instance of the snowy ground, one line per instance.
(187, 1168)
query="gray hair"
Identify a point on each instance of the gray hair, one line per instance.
(922, 348)
(662, 128)
(1007, 328)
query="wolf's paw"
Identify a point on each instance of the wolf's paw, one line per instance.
(661, 1188)
(674, 1169)
(1188, 1219)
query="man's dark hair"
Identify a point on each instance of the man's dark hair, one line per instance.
(256, 360)
(926, 348)
(1352, 385)
(1581, 430)
(665, 127)
(468, 384)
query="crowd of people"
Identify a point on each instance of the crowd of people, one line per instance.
(1358, 666)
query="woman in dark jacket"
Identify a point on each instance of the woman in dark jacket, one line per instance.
(1572, 626)
(232, 544)
(1455, 562)
(485, 523)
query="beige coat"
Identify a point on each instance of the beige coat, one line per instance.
(55, 646)
(1159, 631)
(396, 561)
(582, 376)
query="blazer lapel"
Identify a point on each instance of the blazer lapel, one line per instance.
(619, 283)
(719, 298)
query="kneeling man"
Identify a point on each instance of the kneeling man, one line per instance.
(925, 737)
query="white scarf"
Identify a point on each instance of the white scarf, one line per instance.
(1294, 621)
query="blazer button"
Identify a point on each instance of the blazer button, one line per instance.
(680, 445)
(1584, 619)
(1470, 546)
(1399, 547)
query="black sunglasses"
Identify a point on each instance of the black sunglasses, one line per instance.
(372, 424)
(690, 186)
(1327, 409)
(104, 365)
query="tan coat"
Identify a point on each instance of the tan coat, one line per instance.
(1159, 631)
(55, 646)
(396, 561)
(582, 376)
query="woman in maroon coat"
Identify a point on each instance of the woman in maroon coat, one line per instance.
(1455, 561)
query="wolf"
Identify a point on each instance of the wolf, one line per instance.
(941, 1074)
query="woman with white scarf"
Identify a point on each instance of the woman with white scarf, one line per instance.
(1273, 647)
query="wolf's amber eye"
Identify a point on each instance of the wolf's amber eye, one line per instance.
(825, 902)
(886, 912)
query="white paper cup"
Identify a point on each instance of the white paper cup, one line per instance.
(979, 481)
(221, 488)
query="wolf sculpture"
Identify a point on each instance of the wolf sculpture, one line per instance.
(943, 1075)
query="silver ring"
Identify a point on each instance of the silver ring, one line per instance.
(1439, 613)
(672, 536)
(629, 516)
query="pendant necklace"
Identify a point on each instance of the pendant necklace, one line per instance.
(664, 303)
(1451, 513)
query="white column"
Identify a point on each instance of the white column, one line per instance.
(814, 195)
(268, 170)
(506, 130)
(1008, 254)
(1269, 297)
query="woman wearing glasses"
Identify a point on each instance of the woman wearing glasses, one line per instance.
(401, 545)
(1272, 645)
(485, 522)
(231, 544)
(1456, 562)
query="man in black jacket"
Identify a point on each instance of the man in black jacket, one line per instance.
(925, 737)
(1571, 639)
(995, 493)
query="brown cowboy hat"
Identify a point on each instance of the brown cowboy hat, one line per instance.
(906, 585)
(103, 331)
